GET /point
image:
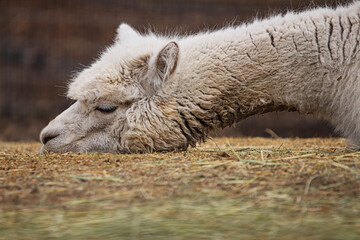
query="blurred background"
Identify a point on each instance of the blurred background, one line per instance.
(43, 42)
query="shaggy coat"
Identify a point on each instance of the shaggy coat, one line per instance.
(155, 93)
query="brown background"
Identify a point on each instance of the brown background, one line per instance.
(43, 42)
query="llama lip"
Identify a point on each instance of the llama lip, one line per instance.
(42, 150)
(53, 138)
(58, 145)
(57, 149)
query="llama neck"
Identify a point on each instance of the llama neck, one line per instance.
(290, 62)
(296, 62)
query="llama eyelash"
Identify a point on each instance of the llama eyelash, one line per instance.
(106, 109)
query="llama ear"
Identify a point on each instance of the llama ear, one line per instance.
(166, 60)
(124, 32)
(161, 66)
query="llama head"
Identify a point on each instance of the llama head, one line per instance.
(133, 68)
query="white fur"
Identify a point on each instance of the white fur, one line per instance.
(171, 91)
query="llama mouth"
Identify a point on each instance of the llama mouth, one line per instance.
(57, 141)
(52, 147)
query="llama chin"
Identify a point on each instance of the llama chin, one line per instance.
(162, 93)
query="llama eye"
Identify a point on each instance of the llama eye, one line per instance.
(106, 109)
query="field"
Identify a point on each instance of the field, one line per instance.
(226, 188)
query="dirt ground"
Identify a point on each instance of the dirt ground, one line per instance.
(234, 168)
(291, 177)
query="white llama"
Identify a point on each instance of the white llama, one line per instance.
(155, 93)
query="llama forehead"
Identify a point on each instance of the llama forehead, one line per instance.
(115, 75)
(97, 82)
(114, 72)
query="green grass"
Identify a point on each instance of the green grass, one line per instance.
(244, 218)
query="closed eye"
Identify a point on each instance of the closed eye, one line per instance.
(106, 109)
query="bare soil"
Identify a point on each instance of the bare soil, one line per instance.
(303, 168)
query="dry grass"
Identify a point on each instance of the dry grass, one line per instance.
(247, 187)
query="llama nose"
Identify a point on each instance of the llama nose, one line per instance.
(46, 136)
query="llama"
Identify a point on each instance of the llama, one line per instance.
(158, 93)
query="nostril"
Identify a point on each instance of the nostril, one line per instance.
(47, 137)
